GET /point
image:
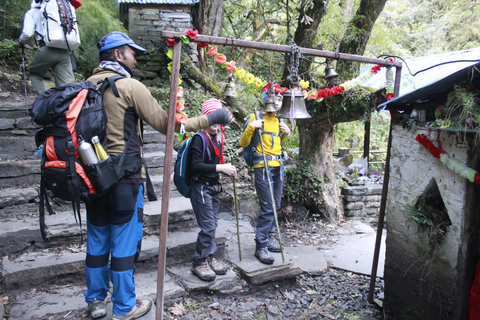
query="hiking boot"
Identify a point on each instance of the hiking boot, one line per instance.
(217, 266)
(273, 245)
(141, 308)
(203, 271)
(98, 308)
(264, 256)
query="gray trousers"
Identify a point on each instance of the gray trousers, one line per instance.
(266, 219)
(206, 203)
(46, 58)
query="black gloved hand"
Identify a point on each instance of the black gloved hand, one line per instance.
(220, 116)
(20, 43)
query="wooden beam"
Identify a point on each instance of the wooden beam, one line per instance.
(284, 48)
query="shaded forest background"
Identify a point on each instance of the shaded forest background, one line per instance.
(407, 29)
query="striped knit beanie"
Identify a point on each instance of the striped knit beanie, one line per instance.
(211, 105)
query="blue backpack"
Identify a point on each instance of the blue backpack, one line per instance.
(182, 173)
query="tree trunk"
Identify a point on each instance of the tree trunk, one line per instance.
(317, 134)
(305, 33)
(215, 18)
(357, 34)
(316, 141)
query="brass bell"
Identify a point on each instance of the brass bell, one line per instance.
(228, 92)
(330, 72)
(269, 105)
(299, 108)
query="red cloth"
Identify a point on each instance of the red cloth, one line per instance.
(474, 301)
(76, 3)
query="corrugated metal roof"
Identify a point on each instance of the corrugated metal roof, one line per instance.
(446, 66)
(435, 89)
(189, 2)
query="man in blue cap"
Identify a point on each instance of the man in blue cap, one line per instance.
(115, 221)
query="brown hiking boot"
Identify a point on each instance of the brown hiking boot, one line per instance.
(218, 267)
(203, 271)
(141, 308)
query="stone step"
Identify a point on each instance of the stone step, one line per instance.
(21, 232)
(14, 110)
(63, 300)
(19, 173)
(13, 147)
(35, 268)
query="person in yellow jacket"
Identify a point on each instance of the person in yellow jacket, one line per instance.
(273, 132)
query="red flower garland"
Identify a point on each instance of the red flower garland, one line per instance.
(436, 152)
(423, 139)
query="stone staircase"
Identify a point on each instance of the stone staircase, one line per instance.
(42, 280)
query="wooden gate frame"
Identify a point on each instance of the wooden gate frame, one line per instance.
(177, 48)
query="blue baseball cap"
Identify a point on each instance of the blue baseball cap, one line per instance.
(116, 39)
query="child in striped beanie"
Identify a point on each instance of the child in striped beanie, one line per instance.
(206, 163)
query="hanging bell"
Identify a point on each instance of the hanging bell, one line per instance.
(299, 108)
(269, 105)
(330, 72)
(228, 92)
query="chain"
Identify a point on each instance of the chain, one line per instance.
(294, 59)
(294, 64)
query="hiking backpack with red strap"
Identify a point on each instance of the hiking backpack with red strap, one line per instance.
(69, 113)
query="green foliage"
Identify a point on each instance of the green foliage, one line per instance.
(417, 28)
(11, 13)
(95, 19)
(10, 53)
(430, 215)
(303, 186)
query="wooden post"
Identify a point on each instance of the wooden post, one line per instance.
(383, 201)
(162, 245)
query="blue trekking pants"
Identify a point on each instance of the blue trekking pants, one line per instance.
(266, 218)
(206, 203)
(114, 230)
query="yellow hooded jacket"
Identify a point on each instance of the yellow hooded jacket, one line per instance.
(270, 124)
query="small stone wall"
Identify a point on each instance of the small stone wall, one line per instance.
(145, 25)
(362, 202)
(146, 22)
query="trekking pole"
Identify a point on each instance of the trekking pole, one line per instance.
(265, 162)
(236, 216)
(24, 78)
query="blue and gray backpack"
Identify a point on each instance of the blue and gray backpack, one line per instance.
(182, 173)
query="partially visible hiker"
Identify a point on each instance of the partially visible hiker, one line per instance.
(273, 132)
(45, 57)
(205, 190)
(115, 221)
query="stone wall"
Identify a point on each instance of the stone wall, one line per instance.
(429, 277)
(145, 26)
(362, 202)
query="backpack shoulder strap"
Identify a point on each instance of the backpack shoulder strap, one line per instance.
(110, 82)
(206, 141)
